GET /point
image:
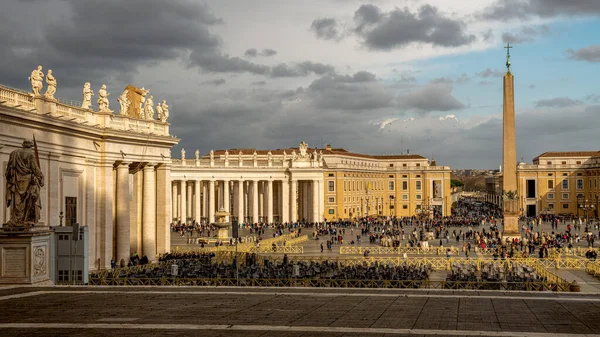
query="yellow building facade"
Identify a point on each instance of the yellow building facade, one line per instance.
(559, 183)
(359, 185)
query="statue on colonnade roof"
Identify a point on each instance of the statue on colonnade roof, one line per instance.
(87, 95)
(36, 80)
(303, 148)
(51, 88)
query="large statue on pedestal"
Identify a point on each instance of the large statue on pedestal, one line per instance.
(36, 80)
(165, 111)
(24, 180)
(124, 102)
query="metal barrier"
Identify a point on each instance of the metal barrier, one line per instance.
(379, 250)
(333, 283)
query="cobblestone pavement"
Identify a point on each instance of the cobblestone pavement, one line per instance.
(187, 311)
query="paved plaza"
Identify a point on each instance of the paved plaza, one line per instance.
(249, 312)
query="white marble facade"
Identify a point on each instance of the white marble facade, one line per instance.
(117, 169)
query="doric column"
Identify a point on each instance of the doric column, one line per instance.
(122, 215)
(315, 200)
(90, 201)
(254, 201)
(149, 213)
(183, 201)
(163, 217)
(270, 201)
(189, 201)
(240, 201)
(261, 200)
(197, 214)
(285, 201)
(211, 201)
(205, 201)
(292, 200)
(321, 190)
(226, 198)
(305, 200)
(175, 204)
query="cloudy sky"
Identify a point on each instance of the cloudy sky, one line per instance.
(377, 77)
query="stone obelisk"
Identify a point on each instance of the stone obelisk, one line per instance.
(509, 157)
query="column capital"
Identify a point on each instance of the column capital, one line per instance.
(149, 166)
(123, 163)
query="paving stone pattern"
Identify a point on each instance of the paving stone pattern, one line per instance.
(546, 314)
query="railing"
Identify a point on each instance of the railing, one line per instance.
(358, 250)
(331, 283)
(593, 268)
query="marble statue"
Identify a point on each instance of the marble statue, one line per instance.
(165, 109)
(103, 99)
(197, 153)
(51, 85)
(294, 155)
(212, 155)
(303, 148)
(182, 154)
(87, 95)
(24, 179)
(149, 107)
(284, 156)
(159, 112)
(240, 156)
(270, 156)
(36, 80)
(254, 156)
(315, 155)
(124, 102)
(226, 155)
(320, 156)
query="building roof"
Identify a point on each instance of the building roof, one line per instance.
(326, 151)
(566, 154)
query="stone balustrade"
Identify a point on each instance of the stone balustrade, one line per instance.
(22, 100)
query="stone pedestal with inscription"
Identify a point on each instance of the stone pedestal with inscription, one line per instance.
(25, 256)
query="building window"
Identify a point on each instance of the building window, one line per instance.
(404, 206)
(578, 162)
(345, 210)
(580, 196)
(418, 196)
(418, 206)
(403, 165)
(390, 185)
(565, 195)
(344, 199)
(579, 184)
(418, 164)
(565, 184)
(550, 195)
(551, 206)
(564, 163)
(550, 184)
(63, 275)
(391, 176)
(391, 165)
(548, 163)
(590, 183)
(565, 206)
(418, 176)
(70, 211)
(418, 185)
(331, 200)
(344, 186)
(331, 211)
(530, 188)
(405, 185)
(331, 186)
(330, 174)
(404, 196)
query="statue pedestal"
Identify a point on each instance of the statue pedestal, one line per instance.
(25, 256)
(223, 234)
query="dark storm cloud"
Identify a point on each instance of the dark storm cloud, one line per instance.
(558, 102)
(435, 96)
(525, 9)
(99, 40)
(399, 27)
(268, 52)
(351, 93)
(589, 54)
(252, 52)
(325, 28)
(301, 69)
(217, 82)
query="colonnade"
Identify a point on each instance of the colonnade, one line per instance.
(247, 201)
(141, 210)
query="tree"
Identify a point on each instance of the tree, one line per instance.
(456, 183)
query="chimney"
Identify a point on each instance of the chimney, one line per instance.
(328, 147)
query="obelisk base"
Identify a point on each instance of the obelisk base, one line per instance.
(223, 234)
(25, 256)
(511, 228)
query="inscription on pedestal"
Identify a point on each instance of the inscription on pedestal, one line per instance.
(15, 262)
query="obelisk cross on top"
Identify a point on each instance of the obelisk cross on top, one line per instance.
(508, 47)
